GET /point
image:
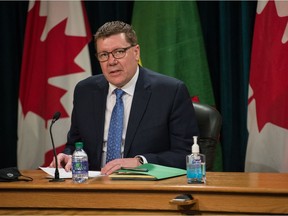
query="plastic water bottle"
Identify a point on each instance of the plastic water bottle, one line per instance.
(80, 166)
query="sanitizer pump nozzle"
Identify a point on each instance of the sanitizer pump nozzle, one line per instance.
(195, 146)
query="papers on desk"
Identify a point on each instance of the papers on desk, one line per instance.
(147, 172)
(64, 174)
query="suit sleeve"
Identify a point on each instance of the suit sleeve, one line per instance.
(182, 128)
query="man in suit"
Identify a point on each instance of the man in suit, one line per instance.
(159, 120)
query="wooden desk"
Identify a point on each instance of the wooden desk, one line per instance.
(224, 193)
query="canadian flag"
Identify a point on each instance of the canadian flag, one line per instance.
(55, 58)
(267, 148)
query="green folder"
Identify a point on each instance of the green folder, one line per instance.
(147, 172)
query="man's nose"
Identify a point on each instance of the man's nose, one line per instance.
(111, 59)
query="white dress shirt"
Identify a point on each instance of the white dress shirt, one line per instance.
(127, 101)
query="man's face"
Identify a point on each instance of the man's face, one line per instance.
(118, 71)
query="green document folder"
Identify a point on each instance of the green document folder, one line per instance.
(147, 172)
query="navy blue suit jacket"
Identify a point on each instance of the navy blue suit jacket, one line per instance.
(161, 125)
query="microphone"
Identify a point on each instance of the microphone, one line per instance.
(56, 116)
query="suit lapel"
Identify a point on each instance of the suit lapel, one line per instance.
(139, 104)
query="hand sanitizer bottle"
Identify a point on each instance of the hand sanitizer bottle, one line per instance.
(196, 168)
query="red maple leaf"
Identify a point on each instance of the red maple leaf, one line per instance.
(269, 69)
(45, 59)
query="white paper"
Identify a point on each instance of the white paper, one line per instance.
(64, 174)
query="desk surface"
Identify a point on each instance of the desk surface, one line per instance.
(223, 192)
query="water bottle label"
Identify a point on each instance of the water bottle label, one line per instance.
(80, 167)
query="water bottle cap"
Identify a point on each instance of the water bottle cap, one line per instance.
(79, 145)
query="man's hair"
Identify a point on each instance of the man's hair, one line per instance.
(116, 27)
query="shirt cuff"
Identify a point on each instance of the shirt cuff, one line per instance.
(142, 159)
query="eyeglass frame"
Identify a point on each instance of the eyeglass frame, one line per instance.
(113, 51)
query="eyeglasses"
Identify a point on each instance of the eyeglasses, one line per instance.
(117, 54)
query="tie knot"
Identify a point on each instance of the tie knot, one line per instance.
(119, 93)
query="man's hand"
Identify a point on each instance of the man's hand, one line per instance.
(64, 161)
(116, 164)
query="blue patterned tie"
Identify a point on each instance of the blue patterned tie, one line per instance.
(115, 129)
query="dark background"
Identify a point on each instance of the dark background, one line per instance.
(227, 29)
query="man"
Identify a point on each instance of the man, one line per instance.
(159, 120)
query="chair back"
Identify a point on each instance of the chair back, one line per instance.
(209, 123)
